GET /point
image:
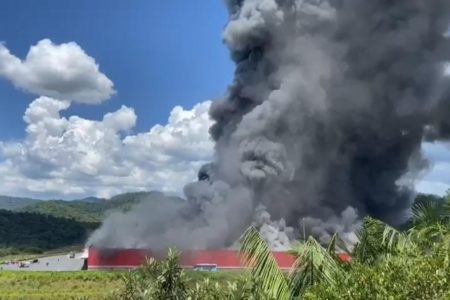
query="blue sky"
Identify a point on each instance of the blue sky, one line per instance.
(158, 53)
(108, 96)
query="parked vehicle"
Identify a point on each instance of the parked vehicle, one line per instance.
(205, 267)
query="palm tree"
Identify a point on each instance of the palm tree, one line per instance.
(429, 212)
(314, 264)
(256, 254)
(156, 279)
(377, 241)
(429, 234)
(369, 248)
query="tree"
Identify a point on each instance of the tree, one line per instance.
(159, 280)
(387, 263)
(313, 265)
(390, 264)
(164, 279)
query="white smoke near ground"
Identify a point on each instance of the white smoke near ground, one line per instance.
(329, 106)
(276, 233)
(344, 225)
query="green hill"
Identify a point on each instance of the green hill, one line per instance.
(83, 212)
(13, 203)
(31, 232)
(38, 225)
(91, 212)
(125, 201)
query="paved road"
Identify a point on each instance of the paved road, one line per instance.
(55, 263)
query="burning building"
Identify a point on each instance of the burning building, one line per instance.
(108, 259)
(321, 126)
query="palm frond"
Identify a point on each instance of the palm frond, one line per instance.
(256, 254)
(332, 244)
(314, 264)
(433, 233)
(370, 246)
(445, 250)
(398, 242)
(446, 210)
(337, 244)
(427, 213)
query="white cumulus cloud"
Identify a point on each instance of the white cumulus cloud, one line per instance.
(78, 157)
(62, 71)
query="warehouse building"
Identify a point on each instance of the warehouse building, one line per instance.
(110, 259)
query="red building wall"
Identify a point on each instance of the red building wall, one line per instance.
(133, 258)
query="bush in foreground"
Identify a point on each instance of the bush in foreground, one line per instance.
(395, 278)
(166, 280)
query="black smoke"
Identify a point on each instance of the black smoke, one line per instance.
(340, 94)
(322, 124)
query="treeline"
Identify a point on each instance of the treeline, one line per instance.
(33, 233)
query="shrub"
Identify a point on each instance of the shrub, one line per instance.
(424, 278)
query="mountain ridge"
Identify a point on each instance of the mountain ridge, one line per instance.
(90, 210)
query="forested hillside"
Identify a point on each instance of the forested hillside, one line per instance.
(36, 225)
(31, 232)
(90, 212)
(83, 212)
(13, 203)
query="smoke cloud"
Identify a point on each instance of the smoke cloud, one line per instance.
(326, 114)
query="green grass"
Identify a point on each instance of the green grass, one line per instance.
(58, 285)
(222, 276)
(80, 284)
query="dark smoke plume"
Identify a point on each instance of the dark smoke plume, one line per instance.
(330, 103)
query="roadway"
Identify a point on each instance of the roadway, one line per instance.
(50, 263)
